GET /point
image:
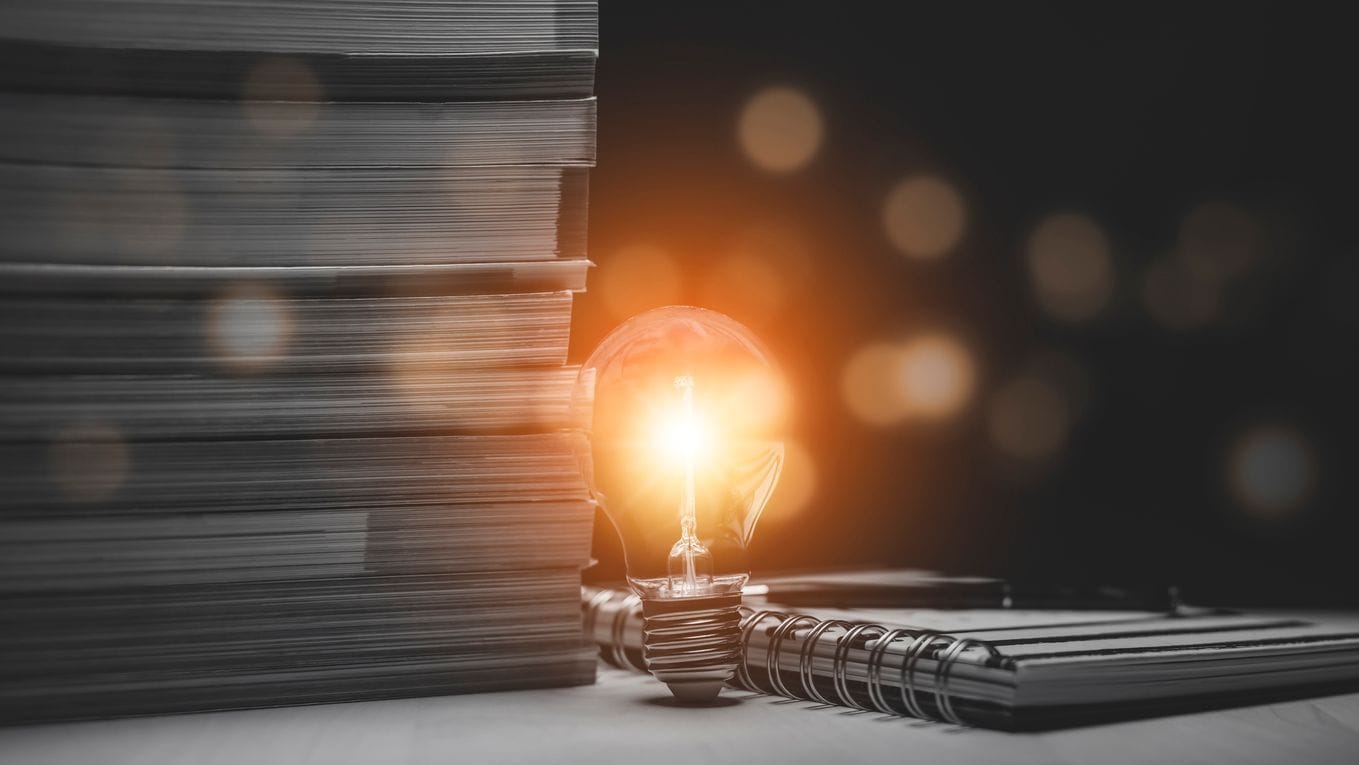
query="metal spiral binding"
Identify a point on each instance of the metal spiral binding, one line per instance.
(630, 605)
(944, 650)
(807, 655)
(742, 678)
(943, 699)
(775, 650)
(591, 608)
(919, 644)
(874, 667)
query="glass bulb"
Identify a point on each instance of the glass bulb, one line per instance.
(685, 411)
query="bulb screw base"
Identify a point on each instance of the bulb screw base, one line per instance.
(692, 644)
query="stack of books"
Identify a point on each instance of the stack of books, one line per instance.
(285, 295)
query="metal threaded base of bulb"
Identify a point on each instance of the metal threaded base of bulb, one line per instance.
(692, 644)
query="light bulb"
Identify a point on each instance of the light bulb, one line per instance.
(684, 409)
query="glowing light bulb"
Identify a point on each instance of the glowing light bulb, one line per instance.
(684, 409)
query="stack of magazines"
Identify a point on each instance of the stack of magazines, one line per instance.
(285, 294)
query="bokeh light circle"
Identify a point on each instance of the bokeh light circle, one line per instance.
(936, 374)
(1271, 471)
(281, 97)
(930, 376)
(88, 461)
(868, 385)
(780, 129)
(249, 326)
(1070, 266)
(924, 217)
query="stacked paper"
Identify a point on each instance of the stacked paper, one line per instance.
(285, 296)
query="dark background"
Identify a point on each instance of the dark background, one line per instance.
(1131, 115)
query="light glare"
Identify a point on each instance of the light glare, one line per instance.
(682, 438)
(638, 278)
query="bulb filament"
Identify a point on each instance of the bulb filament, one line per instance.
(689, 555)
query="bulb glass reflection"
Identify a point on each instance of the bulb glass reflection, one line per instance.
(685, 411)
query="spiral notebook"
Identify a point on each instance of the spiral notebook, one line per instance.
(1015, 668)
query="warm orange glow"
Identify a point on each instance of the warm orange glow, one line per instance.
(760, 275)
(741, 409)
(637, 278)
(685, 411)
(797, 485)
(780, 129)
(868, 387)
(780, 243)
(682, 438)
(747, 287)
(753, 401)
(734, 412)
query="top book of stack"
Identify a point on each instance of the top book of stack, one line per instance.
(366, 133)
(363, 50)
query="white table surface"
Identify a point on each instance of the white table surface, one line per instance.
(628, 718)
